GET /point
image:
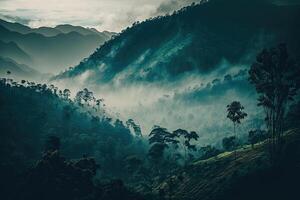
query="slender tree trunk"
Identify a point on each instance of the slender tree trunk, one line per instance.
(235, 140)
(185, 156)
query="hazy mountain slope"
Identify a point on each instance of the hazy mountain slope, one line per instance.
(50, 32)
(47, 31)
(13, 51)
(170, 71)
(30, 112)
(195, 39)
(53, 54)
(17, 70)
(67, 28)
(16, 27)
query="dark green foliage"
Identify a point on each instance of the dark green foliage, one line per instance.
(186, 137)
(52, 143)
(54, 177)
(66, 94)
(31, 112)
(276, 79)
(133, 163)
(250, 177)
(263, 182)
(136, 128)
(256, 136)
(84, 97)
(162, 135)
(161, 139)
(235, 113)
(229, 143)
(156, 151)
(292, 118)
(191, 136)
(208, 152)
(36, 118)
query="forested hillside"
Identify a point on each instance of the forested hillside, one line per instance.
(195, 39)
(30, 113)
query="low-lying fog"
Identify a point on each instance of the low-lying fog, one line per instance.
(192, 102)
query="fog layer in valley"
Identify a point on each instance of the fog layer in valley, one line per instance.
(192, 102)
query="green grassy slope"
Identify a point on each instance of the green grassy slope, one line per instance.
(249, 176)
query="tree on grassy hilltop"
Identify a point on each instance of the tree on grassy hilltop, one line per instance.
(235, 113)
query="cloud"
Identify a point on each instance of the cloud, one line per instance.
(112, 15)
(15, 19)
(194, 102)
(169, 6)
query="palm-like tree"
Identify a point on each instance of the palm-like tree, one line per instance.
(235, 113)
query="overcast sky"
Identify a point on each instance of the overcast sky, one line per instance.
(111, 15)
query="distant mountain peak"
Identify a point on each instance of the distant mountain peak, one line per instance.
(48, 49)
(50, 32)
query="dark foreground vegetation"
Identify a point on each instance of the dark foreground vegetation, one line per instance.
(249, 176)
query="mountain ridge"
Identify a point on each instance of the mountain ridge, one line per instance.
(55, 53)
(51, 31)
(15, 69)
(13, 51)
(218, 29)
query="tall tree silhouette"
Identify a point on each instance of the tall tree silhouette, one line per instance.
(84, 96)
(186, 142)
(235, 113)
(160, 139)
(276, 79)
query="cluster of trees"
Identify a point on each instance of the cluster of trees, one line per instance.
(55, 177)
(276, 78)
(160, 139)
(31, 112)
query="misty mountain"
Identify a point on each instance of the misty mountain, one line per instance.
(169, 69)
(67, 28)
(46, 31)
(34, 111)
(16, 27)
(50, 32)
(196, 39)
(20, 28)
(16, 69)
(51, 54)
(13, 51)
